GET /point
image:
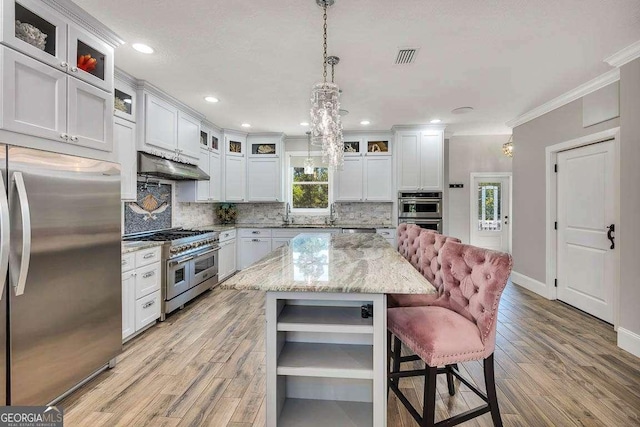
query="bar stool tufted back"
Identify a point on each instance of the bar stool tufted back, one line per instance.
(431, 244)
(472, 282)
(409, 243)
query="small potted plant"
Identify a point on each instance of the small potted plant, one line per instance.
(227, 213)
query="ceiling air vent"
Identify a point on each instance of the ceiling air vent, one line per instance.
(406, 55)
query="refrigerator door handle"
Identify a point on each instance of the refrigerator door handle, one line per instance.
(5, 234)
(26, 233)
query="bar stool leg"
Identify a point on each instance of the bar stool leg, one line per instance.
(429, 402)
(492, 396)
(450, 385)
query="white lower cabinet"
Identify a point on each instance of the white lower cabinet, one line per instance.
(276, 242)
(227, 255)
(141, 281)
(252, 249)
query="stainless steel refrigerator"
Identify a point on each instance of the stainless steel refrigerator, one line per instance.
(60, 251)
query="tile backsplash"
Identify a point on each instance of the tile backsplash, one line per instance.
(151, 211)
(189, 215)
(346, 213)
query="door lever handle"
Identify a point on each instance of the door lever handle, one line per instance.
(610, 236)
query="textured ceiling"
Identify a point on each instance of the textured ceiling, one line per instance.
(261, 58)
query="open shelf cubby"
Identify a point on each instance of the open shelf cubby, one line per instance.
(307, 318)
(323, 413)
(326, 360)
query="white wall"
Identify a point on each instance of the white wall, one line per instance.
(468, 154)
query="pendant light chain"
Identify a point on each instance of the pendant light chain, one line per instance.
(324, 63)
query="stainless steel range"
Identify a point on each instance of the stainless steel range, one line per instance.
(190, 259)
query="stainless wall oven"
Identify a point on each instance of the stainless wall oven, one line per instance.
(421, 208)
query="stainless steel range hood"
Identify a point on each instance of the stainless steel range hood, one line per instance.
(150, 165)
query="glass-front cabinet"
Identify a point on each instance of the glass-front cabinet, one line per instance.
(378, 147)
(124, 101)
(32, 28)
(352, 146)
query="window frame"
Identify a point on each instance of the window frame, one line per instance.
(289, 188)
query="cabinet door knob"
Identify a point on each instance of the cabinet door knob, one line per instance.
(64, 136)
(74, 69)
(74, 138)
(64, 64)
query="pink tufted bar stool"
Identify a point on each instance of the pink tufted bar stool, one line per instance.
(458, 326)
(429, 245)
(409, 243)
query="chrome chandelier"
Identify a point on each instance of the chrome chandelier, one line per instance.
(326, 125)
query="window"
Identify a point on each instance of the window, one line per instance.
(309, 193)
(489, 204)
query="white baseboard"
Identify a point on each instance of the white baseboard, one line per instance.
(629, 341)
(530, 284)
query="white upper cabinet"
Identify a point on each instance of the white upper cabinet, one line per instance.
(34, 97)
(124, 139)
(161, 123)
(234, 179)
(215, 172)
(235, 145)
(188, 135)
(420, 161)
(264, 183)
(378, 181)
(203, 190)
(89, 116)
(125, 101)
(57, 42)
(90, 59)
(349, 180)
(264, 171)
(366, 174)
(52, 49)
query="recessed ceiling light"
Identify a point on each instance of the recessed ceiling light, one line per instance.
(246, 125)
(434, 121)
(365, 122)
(211, 99)
(142, 48)
(304, 124)
(462, 110)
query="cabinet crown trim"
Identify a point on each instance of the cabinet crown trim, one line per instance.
(149, 88)
(80, 17)
(418, 128)
(125, 77)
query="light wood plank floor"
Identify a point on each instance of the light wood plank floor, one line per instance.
(205, 366)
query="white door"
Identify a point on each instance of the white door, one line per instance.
(490, 212)
(34, 97)
(408, 161)
(586, 210)
(128, 304)
(161, 121)
(89, 115)
(378, 182)
(263, 179)
(234, 179)
(203, 187)
(215, 172)
(188, 135)
(124, 140)
(349, 180)
(431, 162)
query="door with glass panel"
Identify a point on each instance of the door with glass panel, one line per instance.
(490, 212)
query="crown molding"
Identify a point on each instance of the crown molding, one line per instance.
(625, 55)
(125, 77)
(235, 132)
(577, 93)
(211, 125)
(440, 128)
(150, 88)
(79, 16)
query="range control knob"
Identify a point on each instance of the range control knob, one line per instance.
(173, 250)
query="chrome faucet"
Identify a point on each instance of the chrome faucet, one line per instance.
(287, 212)
(332, 214)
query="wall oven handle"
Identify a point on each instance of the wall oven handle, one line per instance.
(5, 235)
(207, 252)
(26, 233)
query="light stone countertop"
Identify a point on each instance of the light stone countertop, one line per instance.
(138, 245)
(347, 263)
(225, 227)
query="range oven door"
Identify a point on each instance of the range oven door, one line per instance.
(205, 266)
(179, 273)
(420, 205)
(434, 224)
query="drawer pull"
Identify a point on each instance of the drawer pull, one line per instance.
(149, 274)
(125, 262)
(255, 232)
(148, 304)
(255, 240)
(148, 256)
(386, 233)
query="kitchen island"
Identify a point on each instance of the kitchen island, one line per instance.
(326, 363)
